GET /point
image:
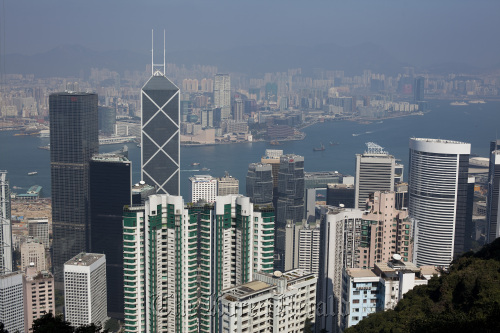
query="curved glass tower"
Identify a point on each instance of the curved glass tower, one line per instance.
(438, 178)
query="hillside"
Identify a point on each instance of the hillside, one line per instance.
(465, 300)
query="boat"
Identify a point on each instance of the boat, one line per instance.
(204, 169)
(457, 103)
(354, 134)
(320, 148)
(477, 101)
(333, 143)
(32, 173)
(195, 163)
(274, 143)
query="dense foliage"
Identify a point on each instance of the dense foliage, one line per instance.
(467, 299)
(49, 323)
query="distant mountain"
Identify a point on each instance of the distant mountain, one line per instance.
(73, 60)
(278, 58)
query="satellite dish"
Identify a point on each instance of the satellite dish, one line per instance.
(396, 256)
(142, 182)
(341, 205)
(277, 274)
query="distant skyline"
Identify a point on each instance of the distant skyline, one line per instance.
(419, 33)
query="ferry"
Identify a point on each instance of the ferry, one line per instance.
(32, 173)
(477, 101)
(320, 148)
(456, 103)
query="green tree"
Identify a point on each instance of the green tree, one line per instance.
(50, 324)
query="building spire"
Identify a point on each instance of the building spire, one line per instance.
(157, 69)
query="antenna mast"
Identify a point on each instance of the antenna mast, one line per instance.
(157, 69)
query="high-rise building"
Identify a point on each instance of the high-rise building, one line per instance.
(259, 184)
(374, 172)
(222, 95)
(73, 141)
(39, 228)
(238, 110)
(11, 301)
(110, 190)
(302, 246)
(227, 185)
(283, 302)
(207, 118)
(418, 89)
(85, 299)
(366, 291)
(438, 183)
(340, 238)
(203, 187)
(492, 202)
(290, 206)
(272, 157)
(381, 223)
(176, 269)
(5, 225)
(160, 134)
(39, 295)
(340, 194)
(107, 120)
(33, 252)
(308, 248)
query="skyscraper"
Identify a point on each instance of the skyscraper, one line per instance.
(339, 240)
(418, 89)
(203, 187)
(176, 269)
(5, 225)
(222, 95)
(290, 207)
(110, 190)
(11, 301)
(73, 141)
(259, 184)
(38, 294)
(492, 216)
(238, 110)
(85, 299)
(438, 182)
(374, 172)
(160, 133)
(227, 185)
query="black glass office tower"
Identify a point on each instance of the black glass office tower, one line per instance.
(73, 141)
(259, 184)
(160, 134)
(110, 191)
(290, 207)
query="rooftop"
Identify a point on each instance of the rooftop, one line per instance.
(439, 141)
(84, 259)
(360, 272)
(110, 157)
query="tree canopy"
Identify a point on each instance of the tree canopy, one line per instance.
(49, 323)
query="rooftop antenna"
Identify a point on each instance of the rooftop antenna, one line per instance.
(157, 69)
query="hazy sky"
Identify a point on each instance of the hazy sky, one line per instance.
(419, 32)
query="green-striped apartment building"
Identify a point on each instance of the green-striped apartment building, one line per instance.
(179, 257)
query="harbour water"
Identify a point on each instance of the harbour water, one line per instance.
(477, 124)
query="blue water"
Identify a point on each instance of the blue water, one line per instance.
(477, 124)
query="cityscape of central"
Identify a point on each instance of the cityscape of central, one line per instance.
(324, 198)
